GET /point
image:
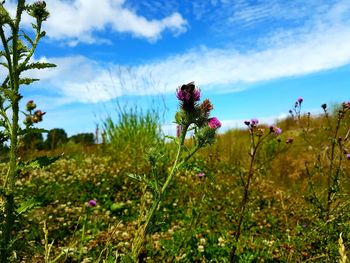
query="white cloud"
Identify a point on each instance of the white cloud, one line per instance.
(317, 46)
(87, 81)
(78, 20)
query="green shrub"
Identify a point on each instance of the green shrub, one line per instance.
(131, 134)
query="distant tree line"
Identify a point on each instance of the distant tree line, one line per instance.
(55, 138)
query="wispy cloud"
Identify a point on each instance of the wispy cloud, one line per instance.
(318, 44)
(323, 48)
(78, 21)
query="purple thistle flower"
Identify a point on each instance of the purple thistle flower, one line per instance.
(277, 131)
(247, 123)
(289, 140)
(200, 175)
(254, 122)
(92, 203)
(188, 93)
(182, 95)
(196, 95)
(214, 123)
(348, 156)
(300, 100)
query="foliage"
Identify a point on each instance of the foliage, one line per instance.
(16, 58)
(56, 138)
(197, 217)
(83, 138)
(133, 133)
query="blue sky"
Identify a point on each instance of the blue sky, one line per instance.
(251, 58)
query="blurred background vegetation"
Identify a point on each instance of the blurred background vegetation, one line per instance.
(199, 217)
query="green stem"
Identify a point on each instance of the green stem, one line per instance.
(141, 233)
(253, 153)
(12, 171)
(330, 178)
(82, 240)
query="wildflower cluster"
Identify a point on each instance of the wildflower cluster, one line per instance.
(16, 55)
(255, 130)
(345, 108)
(196, 115)
(33, 116)
(295, 112)
(191, 116)
(341, 114)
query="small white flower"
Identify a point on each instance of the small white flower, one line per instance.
(201, 248)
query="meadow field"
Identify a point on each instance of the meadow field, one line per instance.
(85, 207)
(131, 193)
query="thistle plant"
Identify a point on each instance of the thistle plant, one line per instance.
(328, 144)
(191, 116)
(259, 137)
(16, 57)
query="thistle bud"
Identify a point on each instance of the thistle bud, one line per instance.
(289, 140)
(28, 120)
(206, 107)
(254, 122)
(38, 116)
(38, 10)
(30, 105)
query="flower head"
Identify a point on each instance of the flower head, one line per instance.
(346, 105)
(275, 130)
(300, 100)
(247, 123)
(28, 120)
(200, 175)
(38, 116)
(348, 156)
(214, 123)
(206, 107)
(30, 105)
(92, 203)
(38, 10)
(289, 140)
(254, 122)
(188, 94)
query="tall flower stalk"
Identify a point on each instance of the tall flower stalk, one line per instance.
(258, 136)
(16, 57)
(191, 116)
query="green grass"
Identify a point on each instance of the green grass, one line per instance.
(281, 224)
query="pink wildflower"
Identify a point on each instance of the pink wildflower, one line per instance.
(200, 175)
(289, 140)
(214, 123)
(254, 122)
(92, 202)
